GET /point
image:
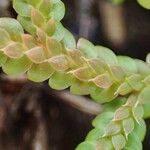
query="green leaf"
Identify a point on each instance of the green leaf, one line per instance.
(117, 1)
(81, 88)
(128, 126)
(103, 81)
(97, 65)
(37, 18)
(59, 63)
(27, 24)
(135, 82)
(142, 67)
(102, 120)
(117, 73)
(104, 144)
(69, 40)
(128, 64)
(54, 47)
(22, 7)
(124, 89)
(16, 67)
(138, 113)
(14, 50)
(144, 3)
(106, 55)
(140, 130)
(118, 141)
(75, 57)
(87, 48)
(83, 73)
(146, 110)
(28, 41)
(133, 142)
(40, 72)
(36, 55)
(112, 128)
(144, 96)
(34, 3)
(13, 27)
(94, 134)
(4, 38)
(59, 33)
(56, 9)
(50, 27)
(121, 113)
(86, 146)
(60, 81)
(45, 8)
(105, 95)
(3, 58)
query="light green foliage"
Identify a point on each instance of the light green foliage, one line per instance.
(143, 3)
(49, 52)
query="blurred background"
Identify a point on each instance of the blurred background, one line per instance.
(35, 117)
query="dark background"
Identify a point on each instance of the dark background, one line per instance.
(34, 116)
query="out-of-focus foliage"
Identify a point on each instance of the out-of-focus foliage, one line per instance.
(50, 51)
(143, 3)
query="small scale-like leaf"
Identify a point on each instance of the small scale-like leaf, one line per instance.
(94, 134)
(13, 27)
(87, 48)
(117, 73)
(138, 113)
(112, 128)
(118, 141)
(131, 101)
(36, 55)
(133, 142)
(121, 113)
(103, 81)
(86, 146)
(17, 66)
(69, 40)
(34, 3)
(27, 24)
(75, 56)
(106, 55)
(59, 63)
(22, 7)
(37, 18)
(128, 126)
(81, 88)
(128, 64)
(45, 8)
(105, 95)
(3, 58)
(144, 96)
(40, 72)
(14, 50)
(56, 9)
(4, 38)
(54, 47)
(135, 82)
(83, 73)
(60, 81)
(41, 36)
(142, 67)
(140, 129)
(104, 144)
(28, 41)
(102, 120)
(50, 27)
(124, 89)
(97, 65)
